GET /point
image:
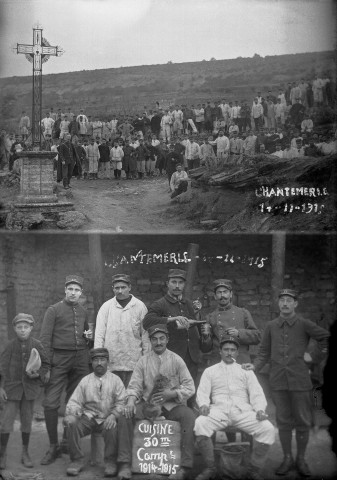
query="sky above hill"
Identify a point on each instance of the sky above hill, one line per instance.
(99, 34)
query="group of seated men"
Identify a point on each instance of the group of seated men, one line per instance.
(146, 364)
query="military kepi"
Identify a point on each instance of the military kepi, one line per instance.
(99, 352)
(288, 291)
(222, 282)
(229, 339)
(177, 273)
(157, 328)
(74, 279)
(23, 317)
(121, 277)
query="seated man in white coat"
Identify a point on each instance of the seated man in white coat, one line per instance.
(119, 328)
(227, 396)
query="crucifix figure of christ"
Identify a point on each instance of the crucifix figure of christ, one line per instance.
(37, 54)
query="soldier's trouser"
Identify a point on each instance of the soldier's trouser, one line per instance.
(116, 439)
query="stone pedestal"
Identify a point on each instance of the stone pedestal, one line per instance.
(36, 206)
(36, 184)
(37, 178)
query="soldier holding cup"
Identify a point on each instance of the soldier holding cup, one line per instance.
(228, 319)
(186, 335)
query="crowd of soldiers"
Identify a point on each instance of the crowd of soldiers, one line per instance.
(132, 347)
(208, 134)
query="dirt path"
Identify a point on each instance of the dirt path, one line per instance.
(128, 206)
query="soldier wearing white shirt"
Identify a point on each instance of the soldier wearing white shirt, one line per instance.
(113, 125)
(177, 119)
(24, 125)
(194, 161)
(235, 115)
(97, 128)
(282, 97)
(179, 181)
(278, 153)
(280, 109)
(222, 147)
(96, 406)
(53, 114)
(119, 328)
(165, 125)
(289, 151)
(93, 157)
(307, 124)
(227, 396)
(64, 125)
(116, 157)
(257, 113)
(47, 124)
(199, 118)
(85, 118)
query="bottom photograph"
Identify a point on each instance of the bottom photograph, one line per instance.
(167, 356)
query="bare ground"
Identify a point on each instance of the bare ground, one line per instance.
(129, 206)
(320, 458)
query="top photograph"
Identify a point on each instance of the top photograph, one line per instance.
(159, 116)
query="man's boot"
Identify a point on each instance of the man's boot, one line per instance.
(124, 472)
(110, 469)
(302, 439)
(51, 455)
(288, 461)
(258, 458)
(3, 457)
(286, 465)
(206, 449)
(25, 458)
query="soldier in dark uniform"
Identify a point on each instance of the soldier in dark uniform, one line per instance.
(66, 162)
(284, 342)
(62, 335)
(229, 319)
(174, 311)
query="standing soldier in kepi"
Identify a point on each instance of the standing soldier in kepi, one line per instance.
(178, 314)
(284, 343)
(228, 319)
(66, 161)
(64, 335)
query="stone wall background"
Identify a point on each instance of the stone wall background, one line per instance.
(33, 269)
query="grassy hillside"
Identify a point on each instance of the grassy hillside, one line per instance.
(105, 91)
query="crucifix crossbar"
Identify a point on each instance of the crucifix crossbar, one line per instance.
(37, 54)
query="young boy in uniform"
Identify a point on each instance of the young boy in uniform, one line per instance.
(18, 387)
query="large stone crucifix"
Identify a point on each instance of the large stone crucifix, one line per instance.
(37, 54)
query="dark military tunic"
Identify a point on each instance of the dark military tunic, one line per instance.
(235, 317)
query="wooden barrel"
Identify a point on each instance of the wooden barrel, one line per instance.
(156, 447)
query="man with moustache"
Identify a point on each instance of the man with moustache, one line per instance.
(96, 406)
(174, 311)
(232, 320)
(283, 345)
(227, 396)
(64, 334)
(119, 328)
(171, 398)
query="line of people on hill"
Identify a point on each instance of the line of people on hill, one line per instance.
(271, 109)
